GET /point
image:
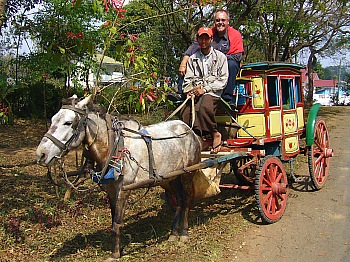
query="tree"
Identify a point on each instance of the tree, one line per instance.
(327, 31)
(9, 8)
(2, 11)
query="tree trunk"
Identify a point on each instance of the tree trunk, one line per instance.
(2, 10)
(310, 70)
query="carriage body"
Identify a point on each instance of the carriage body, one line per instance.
(269, 105)
(268, 123)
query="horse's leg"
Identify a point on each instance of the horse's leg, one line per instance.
(187, 183)
(117, 200)
(177, 191)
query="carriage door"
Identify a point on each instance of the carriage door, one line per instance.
(258, 92)
(299, 102)
(290, 120)
(275, 117)
(287, 90)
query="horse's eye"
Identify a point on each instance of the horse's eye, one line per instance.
(68, 123)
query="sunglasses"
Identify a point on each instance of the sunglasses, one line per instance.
(220, 20)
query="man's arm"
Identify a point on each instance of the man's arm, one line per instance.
(190, 51)
(182, 67)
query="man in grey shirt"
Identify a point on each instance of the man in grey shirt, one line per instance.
(205, 79)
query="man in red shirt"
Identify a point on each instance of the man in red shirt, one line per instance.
(227, 40)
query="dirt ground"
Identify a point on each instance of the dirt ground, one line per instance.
(38, 226)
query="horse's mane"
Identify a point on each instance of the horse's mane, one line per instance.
(91, 107)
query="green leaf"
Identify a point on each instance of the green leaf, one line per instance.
(113, 30)
(62, 50)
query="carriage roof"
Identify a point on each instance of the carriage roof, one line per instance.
(271, 65)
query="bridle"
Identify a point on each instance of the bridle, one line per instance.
(78, 125)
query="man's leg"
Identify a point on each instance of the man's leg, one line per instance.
(233, 68)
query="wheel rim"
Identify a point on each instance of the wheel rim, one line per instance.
(319, 154)
(272, 189)
(247, 176)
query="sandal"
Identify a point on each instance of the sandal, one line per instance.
(216, 149)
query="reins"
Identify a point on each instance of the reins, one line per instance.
(181, 106)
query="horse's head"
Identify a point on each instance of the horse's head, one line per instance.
(67, 131)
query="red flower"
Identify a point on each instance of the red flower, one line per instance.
(154, 75)
(133, 37)
(116, 4)
(150, 98)
(121, 16)
(79, 34)
(70, 35)
(141, 97)
(153, 95)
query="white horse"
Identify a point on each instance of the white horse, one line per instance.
(164, 147)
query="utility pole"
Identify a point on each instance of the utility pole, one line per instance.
(339, 78)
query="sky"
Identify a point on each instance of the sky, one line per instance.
(334, 60)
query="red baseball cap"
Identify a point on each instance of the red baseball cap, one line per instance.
(205, 30)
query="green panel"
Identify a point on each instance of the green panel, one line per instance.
(310, 126)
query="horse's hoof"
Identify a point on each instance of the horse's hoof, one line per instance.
(184, 238)
(172, 238)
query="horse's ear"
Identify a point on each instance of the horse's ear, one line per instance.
(70, 100)
(87, 100)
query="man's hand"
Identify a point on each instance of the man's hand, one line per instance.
(197, 90)
(182, 70)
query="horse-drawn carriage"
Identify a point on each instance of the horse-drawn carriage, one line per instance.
(264, 129)
(268, 122)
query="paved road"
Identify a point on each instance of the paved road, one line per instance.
(316, 225)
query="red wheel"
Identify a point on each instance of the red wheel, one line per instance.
(244, 170)
(318, 155)
(271, 189)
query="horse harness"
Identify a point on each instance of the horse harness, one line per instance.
(116, 148)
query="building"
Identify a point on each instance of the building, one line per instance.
(111, 72)
(325, 91)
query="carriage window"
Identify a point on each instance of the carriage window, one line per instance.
(242, 94)
(287, 93)
(272, 90)
(298, 89)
